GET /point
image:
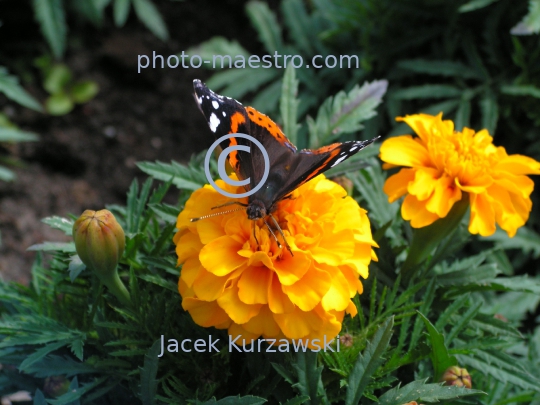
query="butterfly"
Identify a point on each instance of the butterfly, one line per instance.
(289, 168)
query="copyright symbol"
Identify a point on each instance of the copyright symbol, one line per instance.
(221, 165)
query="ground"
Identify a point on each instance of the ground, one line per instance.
(86, 159)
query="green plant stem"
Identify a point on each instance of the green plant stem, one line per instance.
(426, 239)
(115, 286)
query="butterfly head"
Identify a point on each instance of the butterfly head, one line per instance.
(256, 210)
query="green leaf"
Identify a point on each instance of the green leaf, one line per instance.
(121, 12)
(300, 26)
(531, 22)
(83, 92)
(265, 23)
(238, 400)
(59, 104)
(475, 5)
(439, 354)
(15, 135)
(289, 104)
(6, 174)
(68, 247)
(76, 267)
(344, 112)
(77, 348)
(302, 399)
(236, 83)
(10, 87)
(521, 90)
(527, 240)
(149, 15)
(75, 393)
(490, 111)
(309, 376)
(166, 212)
(427, 91)
(57, 365)
(463, 115)
(183, 177)
(57, 78)
(149, 373)
(368, 362)
(63, 224)
(50, 16)
(481, 275)
(39, 398)
(438, 68)
(220, 52)
(41, 353)
(420, 391)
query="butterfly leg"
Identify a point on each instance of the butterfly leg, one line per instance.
(282, 235)
(255, 234)
(272, 232)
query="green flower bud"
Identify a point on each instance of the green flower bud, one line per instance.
(457, 376)
(100, 242)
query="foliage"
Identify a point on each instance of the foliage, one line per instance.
(467, 302)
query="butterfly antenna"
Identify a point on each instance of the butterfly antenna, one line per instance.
(282, 235)
(272, 232)
(214, 214)
(230, 203)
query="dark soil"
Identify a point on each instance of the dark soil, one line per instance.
(86, 159)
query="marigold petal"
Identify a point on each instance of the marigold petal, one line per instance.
(253, 285)
(293, 268)
(518, 165)
(334, 247)
(188, 245)
(278, 301)
(482, 219)
(298, 324)
(208, 287)
(337, 296)
(205, 313)
(307, 292)
(405, 151)
(416, 212)
(425, 181)
(520, 185)
(238, 311)
(424, 124)
(191, 270)
(396, 185)
(474, 184)
(263, 324)
(221, 256)
(445, 194)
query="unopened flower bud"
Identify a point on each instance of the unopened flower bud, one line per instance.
(457, 376)
(100, 242)
(346, 340)
(56, 386)
(344, 182)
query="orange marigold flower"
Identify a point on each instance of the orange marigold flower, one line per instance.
(230, 282)
(442, 166)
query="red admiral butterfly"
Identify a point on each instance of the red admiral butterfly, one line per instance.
(289, 168)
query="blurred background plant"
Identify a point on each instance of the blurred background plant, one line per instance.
(473, 303)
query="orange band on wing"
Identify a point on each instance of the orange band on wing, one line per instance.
(265, 122)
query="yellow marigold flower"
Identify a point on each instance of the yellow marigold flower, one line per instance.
(442, 166)
(230, 282)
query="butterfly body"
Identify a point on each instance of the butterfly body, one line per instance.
(289, 168)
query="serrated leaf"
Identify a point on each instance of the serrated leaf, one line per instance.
(238, 400)
(427, 91)
(149, 373)
(439, 353)
(236, 83)
(368, 362)
(299, 23)
(525, 239)
(475, 5)
(166, 212)
(121, 12)
(289, 104)
(50, 16)
(56, 365)
(420, 391)
(490, 111)
(309, 376)
(75, 393)
(438, 68)
(76, 267)
(16, 135)
(77, 348)
(10, 87)
(39, 398)
(149, 15)
(183, 177)
(265, 23)
(531, 22)
(68, 247)
(220, 52)
(157, 280)
(482, 275)
(463, 115)
(521, 90)
(344, 112)
(63, 224)
(302, 399)
(40, 354)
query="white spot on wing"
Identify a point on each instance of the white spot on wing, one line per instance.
(215, 104)
(341, 159)
(224, 113)
(353, 148)
(214, 122)
(199, 99)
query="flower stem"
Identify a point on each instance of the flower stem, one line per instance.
(115, 286)
(426, 239)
